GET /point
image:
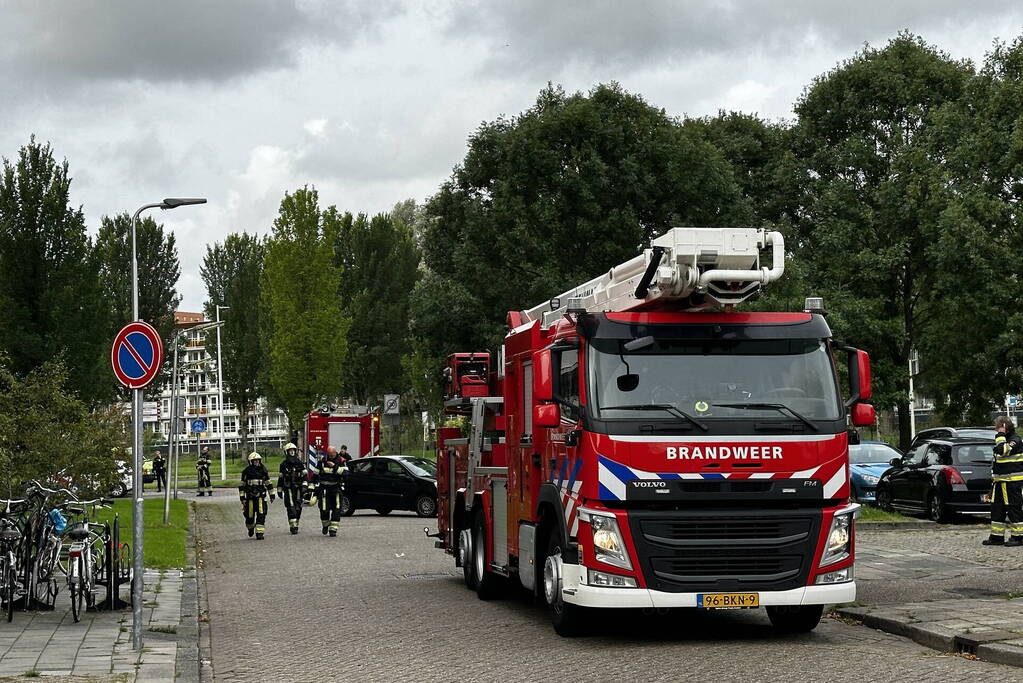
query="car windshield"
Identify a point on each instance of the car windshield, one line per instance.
(421, 467)
(721, 378)
(866, 453)
(974, 454)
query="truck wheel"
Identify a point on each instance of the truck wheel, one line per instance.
(346, 508)
(795, 618)
(426, 506)
(488, 584)
(566, 618)
(464, 551)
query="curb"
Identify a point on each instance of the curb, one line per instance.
(997, 647)
(897, 526)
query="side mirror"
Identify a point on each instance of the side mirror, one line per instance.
(628, 382)
(547, 415)
(859, 375)
(863, 415)
(853, 436)
(895, 462)
(543, 376)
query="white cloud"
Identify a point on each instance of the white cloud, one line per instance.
(316, 127)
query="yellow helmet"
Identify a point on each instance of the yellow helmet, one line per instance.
(254, 456)
(290, 447)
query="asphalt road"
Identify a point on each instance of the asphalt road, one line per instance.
(380, 603)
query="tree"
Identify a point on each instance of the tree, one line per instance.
(47, 432)
(555, 196)
(233, 274)
(869, 220)
(159, 271)
(53, 304)
(380, 262)
(304, 328)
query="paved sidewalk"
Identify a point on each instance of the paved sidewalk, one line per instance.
(988, 628)
(99, 646)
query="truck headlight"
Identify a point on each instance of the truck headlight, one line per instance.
(839, 543)
(608, 545)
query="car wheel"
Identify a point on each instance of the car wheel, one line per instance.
(567, 619)
(383, 511)
(347, 509)
(426, 506)
(120, 490)
(937, 510)
(883, 498)
(795, 618)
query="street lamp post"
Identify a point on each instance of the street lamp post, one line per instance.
(220, 398)
(136, 428)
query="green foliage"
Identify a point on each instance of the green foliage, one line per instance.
(304, 329)
(233, 273)
(48, 433)
(165, 544)
(159, 271)
(380, 262)
(869, 221)
(51, 302)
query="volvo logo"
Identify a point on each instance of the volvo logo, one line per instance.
(647, 484)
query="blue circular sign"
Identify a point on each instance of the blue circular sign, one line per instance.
(198, 426)
(137, 354)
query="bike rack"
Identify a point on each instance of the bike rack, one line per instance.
(116, 575)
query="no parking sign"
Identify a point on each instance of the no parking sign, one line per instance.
(137, 354)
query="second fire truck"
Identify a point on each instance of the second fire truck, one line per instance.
(643, 444)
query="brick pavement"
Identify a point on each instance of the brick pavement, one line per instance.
(99, 646)
(380, 603)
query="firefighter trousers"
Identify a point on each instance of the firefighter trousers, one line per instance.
(204, 482)
(255, 513)
(330, 508)
(292, 496)
(1007, 508)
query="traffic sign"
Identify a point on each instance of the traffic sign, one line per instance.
(198, 426)
(137, 354)
(391, 404)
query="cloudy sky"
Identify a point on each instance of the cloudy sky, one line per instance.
(372, 102)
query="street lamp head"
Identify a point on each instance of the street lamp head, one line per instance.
(175, 202)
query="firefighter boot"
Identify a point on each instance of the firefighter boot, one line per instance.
(1014, 541)
(252, 530)
(333, 529)
(294, 526)
(324, 529)
(994, 540)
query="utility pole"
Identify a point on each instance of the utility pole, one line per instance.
(220, 399)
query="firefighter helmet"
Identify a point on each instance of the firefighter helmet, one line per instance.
(290, 447)
(254, 456)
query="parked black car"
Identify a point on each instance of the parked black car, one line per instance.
(391, 482)
(940, 478)
(945, 433)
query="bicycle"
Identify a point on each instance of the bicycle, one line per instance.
(10, 558)
(42, 529)
(84, 562)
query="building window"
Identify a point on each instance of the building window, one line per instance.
(228, 404)
(213, 402)
(230, 425)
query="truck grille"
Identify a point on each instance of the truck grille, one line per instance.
(692, 551)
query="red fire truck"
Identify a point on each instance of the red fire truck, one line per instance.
(646, 445)
(346, 425)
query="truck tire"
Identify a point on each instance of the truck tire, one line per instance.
(567, 619)
(464, 554)
(795, 618)
(488, 584)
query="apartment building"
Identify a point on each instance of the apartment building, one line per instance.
(197, 385)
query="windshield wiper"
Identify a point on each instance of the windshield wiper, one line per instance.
(666, 407)
(780, 407)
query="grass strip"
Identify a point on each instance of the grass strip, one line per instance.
(164, 544)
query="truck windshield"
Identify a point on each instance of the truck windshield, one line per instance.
(714, 379)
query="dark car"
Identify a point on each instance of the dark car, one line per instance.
(940, 478)
(868, 460)
(945, 433)
(391, 482)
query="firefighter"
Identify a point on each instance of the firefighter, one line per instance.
(329, 486)
(160, 470)
(1007, 486)
(202, 469)
(292, 484)
(343, 455)
(256, 485)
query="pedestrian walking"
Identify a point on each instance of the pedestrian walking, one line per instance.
(327, 477)
(202, 470)
(1007, 486)
(160, 470)
(292, 484)
(256, 486)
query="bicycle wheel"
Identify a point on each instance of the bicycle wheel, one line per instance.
(76, 584)
(10, 578)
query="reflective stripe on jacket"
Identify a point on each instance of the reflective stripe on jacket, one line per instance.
(1008, 464)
